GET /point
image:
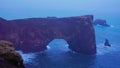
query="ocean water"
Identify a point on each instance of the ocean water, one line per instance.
(59, 56)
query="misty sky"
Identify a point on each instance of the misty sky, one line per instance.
(13, 9)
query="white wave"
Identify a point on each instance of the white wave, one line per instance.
(48, 47)
(101, 49)
(28, 58)
(112, 26)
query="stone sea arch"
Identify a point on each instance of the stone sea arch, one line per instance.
(34, 34)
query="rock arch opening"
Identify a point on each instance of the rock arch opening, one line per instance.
(58, 45)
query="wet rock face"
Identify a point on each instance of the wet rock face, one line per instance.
(34, 34)
(9, 58)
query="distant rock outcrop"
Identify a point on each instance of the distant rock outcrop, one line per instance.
(101, 22)
(9, 58)
(34, 34)
(1, 19)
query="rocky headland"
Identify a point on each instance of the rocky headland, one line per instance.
(9, 58)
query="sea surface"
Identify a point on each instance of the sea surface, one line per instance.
(59, 55)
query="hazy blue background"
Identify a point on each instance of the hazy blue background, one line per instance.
(14, 9)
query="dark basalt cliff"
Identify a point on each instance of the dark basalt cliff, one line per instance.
(9, 58)
(34, 34)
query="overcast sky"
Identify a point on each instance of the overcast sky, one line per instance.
(12, 9)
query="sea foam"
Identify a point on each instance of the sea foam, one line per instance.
(101, 49)
(27, 57)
